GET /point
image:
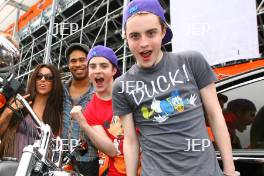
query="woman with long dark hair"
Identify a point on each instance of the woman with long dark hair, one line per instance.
(46, 97)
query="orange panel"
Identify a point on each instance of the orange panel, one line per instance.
(223, 72)
(24, 19)
(32, 12)
(43, 4)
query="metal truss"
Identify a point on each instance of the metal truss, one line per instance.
(98, 21)
(90, 22)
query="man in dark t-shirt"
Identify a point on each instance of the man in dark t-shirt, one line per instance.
(163, 95)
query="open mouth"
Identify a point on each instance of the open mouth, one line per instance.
(146, 54)
(99, 80)
(42, 85)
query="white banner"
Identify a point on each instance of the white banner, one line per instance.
(222, 30)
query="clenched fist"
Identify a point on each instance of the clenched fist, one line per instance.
(76, 114)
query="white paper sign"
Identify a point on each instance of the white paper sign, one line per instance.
(222, 30)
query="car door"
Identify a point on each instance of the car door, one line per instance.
(240, 95)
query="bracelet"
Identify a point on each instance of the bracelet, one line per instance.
(233, 173)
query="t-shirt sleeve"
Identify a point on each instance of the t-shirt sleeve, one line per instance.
(90, 115)
(120, 102)
(202, 71)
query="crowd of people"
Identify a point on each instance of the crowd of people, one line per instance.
(143, 130)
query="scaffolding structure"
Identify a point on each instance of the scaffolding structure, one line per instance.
(45, 38)
(93, 22)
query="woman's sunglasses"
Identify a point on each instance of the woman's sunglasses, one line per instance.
(47, 77)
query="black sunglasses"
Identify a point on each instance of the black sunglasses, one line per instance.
(47, 77)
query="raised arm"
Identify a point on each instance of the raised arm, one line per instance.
(96, 133)
(131, 145)
(6, 115)
(218, 125)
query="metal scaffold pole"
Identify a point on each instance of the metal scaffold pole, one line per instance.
(50, 32)
(123, 36)
(106, 22)
(16, 23)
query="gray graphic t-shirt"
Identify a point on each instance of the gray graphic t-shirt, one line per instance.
(167, 109)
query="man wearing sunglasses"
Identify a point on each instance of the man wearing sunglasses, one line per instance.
(78, 91)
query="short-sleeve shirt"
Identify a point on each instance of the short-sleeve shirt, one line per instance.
(166, 106)
(99, 112)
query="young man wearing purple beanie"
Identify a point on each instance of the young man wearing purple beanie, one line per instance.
(163, 95)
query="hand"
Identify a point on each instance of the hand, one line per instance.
(16, 105)
(231, 173)
(76, 114)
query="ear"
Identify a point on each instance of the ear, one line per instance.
(125, 36)
(164, 29)
(114, 71)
